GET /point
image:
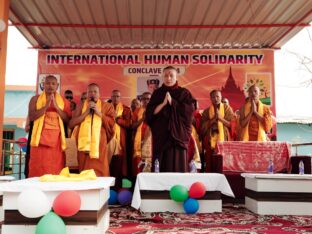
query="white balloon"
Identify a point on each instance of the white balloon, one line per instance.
(33, 203)
(2, 25)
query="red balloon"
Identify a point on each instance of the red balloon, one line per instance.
(22, 142)
(67, 203)
(197, 190)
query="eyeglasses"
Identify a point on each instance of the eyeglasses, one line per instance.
(69, 97)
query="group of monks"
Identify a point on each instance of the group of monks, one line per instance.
(119, 141)
(218, 122)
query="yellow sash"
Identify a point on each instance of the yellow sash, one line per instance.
(196, 156)
(66, 176)
(261, 132)
(38, 123)
(89, 136)
(216, 137)
(118, 111)
(137, 145)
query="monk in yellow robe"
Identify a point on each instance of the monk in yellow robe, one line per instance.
(215, 126)
(255, 117)
(95, 128)
(142, 147)
(48, 112)
(117, 148)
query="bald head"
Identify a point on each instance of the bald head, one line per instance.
(254, 92)
(93, 92)
(215, 97)
(116, 97)
(50, 84)
(170, 76)
(135, 103)
(146, 96)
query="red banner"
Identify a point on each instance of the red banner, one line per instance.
(132, 71)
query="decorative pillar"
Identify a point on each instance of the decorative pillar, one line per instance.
(4, 15)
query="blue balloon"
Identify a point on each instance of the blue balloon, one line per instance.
(24, 149)
(112, 197)
(191, 206)
(124, 197)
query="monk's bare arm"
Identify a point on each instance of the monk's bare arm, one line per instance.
(124, 120)
(61, 113)
(228, 116)
(161, 105)
(225, 122)
(267, 119)
(93, 106)
(244, 120)
(78, 117)
(32, 112)
(159, 108)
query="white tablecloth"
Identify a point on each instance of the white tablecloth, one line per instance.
(6, 178)
(34, 183)
(277, 176)
(164, 182)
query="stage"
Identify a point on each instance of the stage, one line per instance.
(233, 219)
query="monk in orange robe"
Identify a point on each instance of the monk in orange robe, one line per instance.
(255, 117)
(48, 112)
(95, 128)
(117, 147)
(142, 147)
(215, 126)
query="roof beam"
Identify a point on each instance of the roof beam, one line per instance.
(289, 30)
(109, 26)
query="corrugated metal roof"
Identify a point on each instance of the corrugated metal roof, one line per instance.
(160, 23)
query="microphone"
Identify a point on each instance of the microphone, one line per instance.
(92, 113)
(92, 110)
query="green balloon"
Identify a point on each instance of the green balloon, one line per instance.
(51, 223)
(178, 193)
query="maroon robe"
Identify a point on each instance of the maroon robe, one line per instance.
(171, 127)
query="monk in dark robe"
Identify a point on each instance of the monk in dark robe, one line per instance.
(94, 121)
(169, 114)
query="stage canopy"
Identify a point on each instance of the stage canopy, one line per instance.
(159, 24)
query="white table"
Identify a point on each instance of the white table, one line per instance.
(4, 179)
(151, 192)
(93, 217)
(278, 194)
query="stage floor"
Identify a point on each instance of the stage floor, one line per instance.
(233, 219)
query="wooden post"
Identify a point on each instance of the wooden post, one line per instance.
(4, 14)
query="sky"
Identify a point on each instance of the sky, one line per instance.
(293, 82)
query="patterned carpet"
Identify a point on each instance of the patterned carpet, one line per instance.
(232, 220)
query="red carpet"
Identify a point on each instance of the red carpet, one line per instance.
(231, 220)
